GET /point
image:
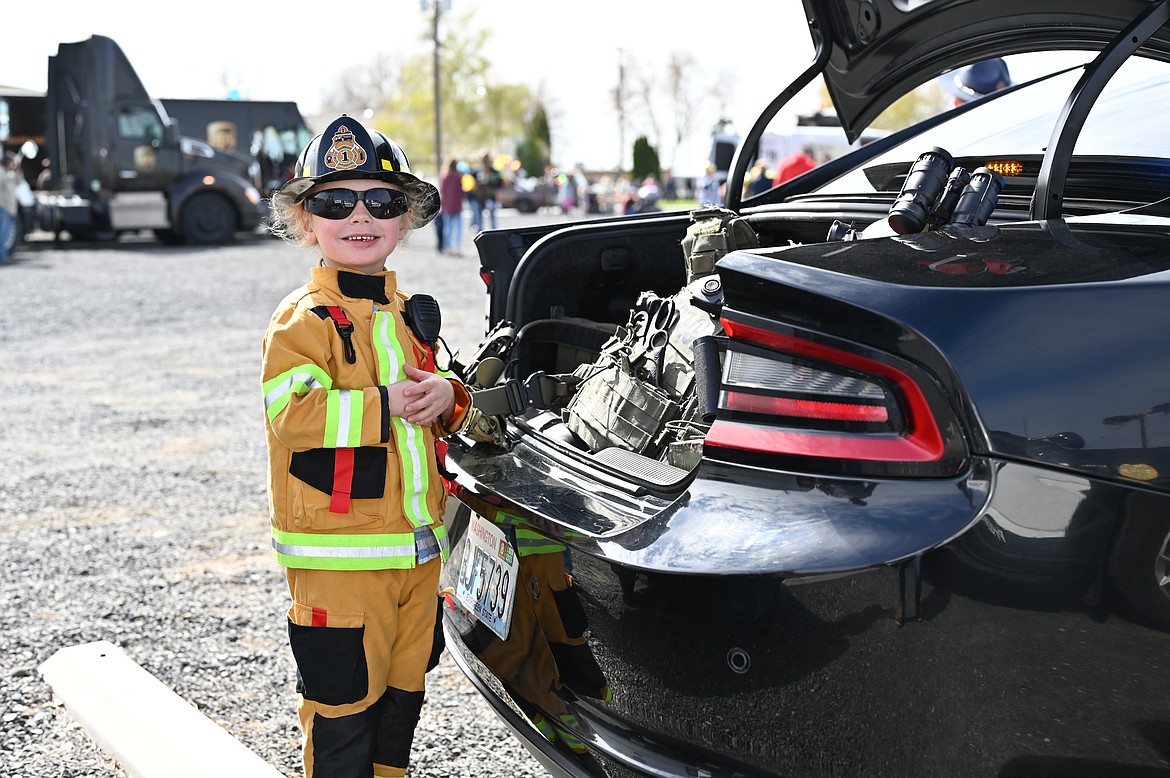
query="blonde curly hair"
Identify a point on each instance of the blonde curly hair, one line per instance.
(288, 214)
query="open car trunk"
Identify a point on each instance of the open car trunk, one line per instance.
(607, 343)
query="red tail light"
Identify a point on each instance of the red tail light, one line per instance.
(789, 397)
(805, 409)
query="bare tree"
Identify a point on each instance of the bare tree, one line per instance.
(688, 97)
(644, 92)
(622, 99)
(722, 91)
(920, 103)
(368, 86)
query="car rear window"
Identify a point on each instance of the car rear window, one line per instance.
(1124, 123)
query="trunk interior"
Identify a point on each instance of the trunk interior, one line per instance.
(629, 319)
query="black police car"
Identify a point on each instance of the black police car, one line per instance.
(868, 474)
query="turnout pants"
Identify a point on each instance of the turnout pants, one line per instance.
(361, 640)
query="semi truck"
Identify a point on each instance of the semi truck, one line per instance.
(111, 159)
(272, 132)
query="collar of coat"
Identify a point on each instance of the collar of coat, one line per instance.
(379, 287)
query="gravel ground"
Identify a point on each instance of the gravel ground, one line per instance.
(132, 495)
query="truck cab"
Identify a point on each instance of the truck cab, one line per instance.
(118, 163)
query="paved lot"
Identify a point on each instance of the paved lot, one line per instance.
(132, 497)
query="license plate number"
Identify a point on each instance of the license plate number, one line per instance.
(487, 576)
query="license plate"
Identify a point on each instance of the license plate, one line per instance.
(487, 576)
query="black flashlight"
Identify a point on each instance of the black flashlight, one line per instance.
(979, 198)
(920, 191)
(949, 198)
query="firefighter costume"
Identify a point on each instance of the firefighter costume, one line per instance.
(356, 493)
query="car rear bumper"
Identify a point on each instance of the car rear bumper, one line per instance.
(730, 519)
(731, 647)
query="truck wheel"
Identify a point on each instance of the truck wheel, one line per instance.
(1139, 567)
(208, 219)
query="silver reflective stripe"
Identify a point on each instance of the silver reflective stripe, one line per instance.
(343, 552)
(307, 379)
(416, 472)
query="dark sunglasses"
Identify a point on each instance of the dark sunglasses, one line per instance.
(339, 203)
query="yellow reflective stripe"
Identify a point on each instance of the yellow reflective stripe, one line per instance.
(343, 551)
(570, 740)
(343, 418)
(508, 519)
(408, 438)
(544, 727)
(415, 473)
(387, 348)
(529, 542)
(300, 379)
(381, 540)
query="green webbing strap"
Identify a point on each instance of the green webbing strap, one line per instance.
(540, 390)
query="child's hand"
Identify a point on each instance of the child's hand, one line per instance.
(427, 397)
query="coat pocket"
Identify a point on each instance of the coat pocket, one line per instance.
(330, 654)
(314, 478)
(317, 468)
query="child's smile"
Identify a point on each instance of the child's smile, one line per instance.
(357, 241)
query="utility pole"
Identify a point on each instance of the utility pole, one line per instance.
(620, 99)
(438, 92)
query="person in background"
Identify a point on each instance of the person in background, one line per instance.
(567, 191)
(709, 187)
(649, 193)
(487, 185)
(451, 197)
(759, 181)
(8, 203)
(796, 164)
(471, 203)
(354, 407)
(975, 81)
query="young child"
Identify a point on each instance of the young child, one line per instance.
(354, 409)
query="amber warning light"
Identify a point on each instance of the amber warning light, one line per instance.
(1005, 167)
